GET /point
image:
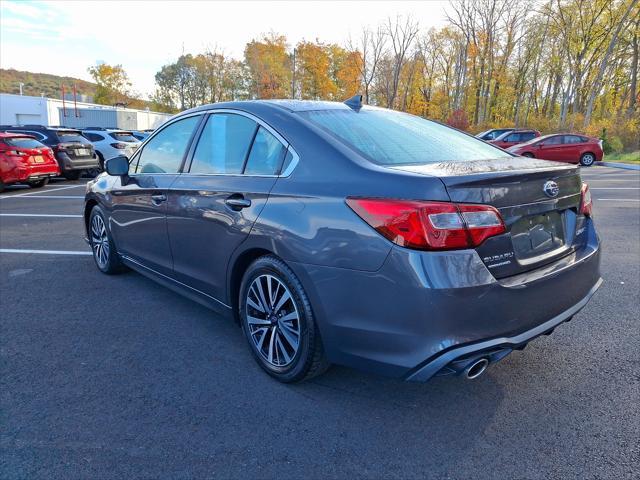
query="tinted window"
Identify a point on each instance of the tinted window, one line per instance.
(572, 139)
(93, 137)
(164, 152)
(287, 161)
(71, 136)
(123, 137)
(224, 144)
(23, 142)
(514, 137)
(388, 138)
(557, 140)
(526, 136)
(266, 154)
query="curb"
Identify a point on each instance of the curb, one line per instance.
(625, 166)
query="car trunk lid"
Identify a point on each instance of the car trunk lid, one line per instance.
(538, 201)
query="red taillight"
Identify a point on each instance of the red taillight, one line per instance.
(586, 204)
(119, 145)
(429, 225)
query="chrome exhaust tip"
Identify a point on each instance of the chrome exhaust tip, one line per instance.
(475, 369)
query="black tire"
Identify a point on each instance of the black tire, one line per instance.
(94, 172)
(309, 359)
(72, 174)
(2, 186)
(39, 183)
(528, 155)
(104, 249)
(587, 159)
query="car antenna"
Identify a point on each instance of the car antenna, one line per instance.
(355, 102)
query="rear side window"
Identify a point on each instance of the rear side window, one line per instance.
(23, 142)
(387, 137)
(526, 136)
(93, 137)
(514, 137)
(267, 154)
(164, 152)
(224, 144)
(572, 139)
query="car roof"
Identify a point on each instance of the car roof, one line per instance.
(275, 105)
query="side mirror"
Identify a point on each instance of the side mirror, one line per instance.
(117, 166)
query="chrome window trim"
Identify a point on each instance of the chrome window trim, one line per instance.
(261, 123)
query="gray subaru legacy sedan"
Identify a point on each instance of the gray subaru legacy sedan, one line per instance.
(349, 234)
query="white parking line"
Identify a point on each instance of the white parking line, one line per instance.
(44, 196)
(39, 215)
(45, 252)
(618, 199)
(38, 192)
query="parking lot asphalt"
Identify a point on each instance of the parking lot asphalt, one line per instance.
(118, 377)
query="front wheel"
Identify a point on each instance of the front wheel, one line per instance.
(104, 250)
(278, 322)
(587, 159)
(528, 155)
(39, 183)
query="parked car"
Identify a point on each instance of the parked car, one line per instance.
(493, 133)
(74, 153)
(350, 234)
(23, 159)
(515, 137)
(564, 147)
(111, 142)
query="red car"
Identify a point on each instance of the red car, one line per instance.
(514, 137)
(23, 159)
(562, 147)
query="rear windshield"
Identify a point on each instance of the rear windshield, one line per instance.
(71, 136)
(387, 137)
(23, 142)
(123, 137)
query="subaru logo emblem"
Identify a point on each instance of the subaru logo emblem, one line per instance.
(551, 189)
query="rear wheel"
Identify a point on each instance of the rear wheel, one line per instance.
(528, 155)
(94, 172)
(72, 174)
(2, 186)
(587, 159)
(104, 250)
(39, 183)
(278, 322)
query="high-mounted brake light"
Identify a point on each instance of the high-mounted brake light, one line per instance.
(586, 204)
(429, 225)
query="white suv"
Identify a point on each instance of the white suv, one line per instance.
(111, 142)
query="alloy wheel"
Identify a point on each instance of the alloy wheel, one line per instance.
(273, 320)
(587, 159)
(100, 241)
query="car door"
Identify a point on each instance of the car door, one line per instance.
(572, 146)
(214, 205)
(550, 148)
(139, 200)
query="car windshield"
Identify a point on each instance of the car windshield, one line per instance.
(23, 142)
(123, 137)
(71, 136)
(387, 137)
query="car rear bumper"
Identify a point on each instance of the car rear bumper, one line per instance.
(67, 163)
(422, 310)
(33, 173)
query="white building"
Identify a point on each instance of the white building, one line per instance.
(27, 110)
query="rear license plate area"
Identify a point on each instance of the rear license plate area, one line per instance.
(38, 159)
(536, 235)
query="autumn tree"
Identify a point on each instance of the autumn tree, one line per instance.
(113, 85)
(269, 67)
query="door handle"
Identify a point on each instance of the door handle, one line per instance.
(238, 202)
(158, 198)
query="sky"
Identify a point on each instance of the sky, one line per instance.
(66, 37)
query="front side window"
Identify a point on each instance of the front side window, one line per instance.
(514, 137)
(387, 137)
(164, 152)
(224, 144)
(267, 154)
